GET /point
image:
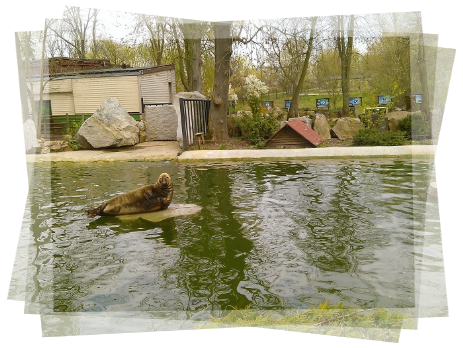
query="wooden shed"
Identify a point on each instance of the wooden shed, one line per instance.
(83, 91)
(295, 134)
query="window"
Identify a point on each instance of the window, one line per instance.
(46, 110)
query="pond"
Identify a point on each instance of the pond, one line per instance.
(271, 235)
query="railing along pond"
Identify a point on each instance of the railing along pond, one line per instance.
(194, 118)
(54, 127)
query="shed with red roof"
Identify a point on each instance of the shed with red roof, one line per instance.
(295, 134)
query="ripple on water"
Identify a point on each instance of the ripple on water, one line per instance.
(271, 235)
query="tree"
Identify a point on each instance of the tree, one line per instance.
(78, 32)
(327, 68)
(19, 76)
(294, 108)
(425, 12)
(452, 11)
(156, 28)
(189, 54)
(219, 105)
(344, 44)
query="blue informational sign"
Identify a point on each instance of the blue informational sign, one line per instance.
(384, 100)
(418, 98)
(287, 104)
(323, 103)
(355, 101)
(267, 104)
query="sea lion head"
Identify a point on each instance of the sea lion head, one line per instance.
(165, 180)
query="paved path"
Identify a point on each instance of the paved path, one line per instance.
(169, 150)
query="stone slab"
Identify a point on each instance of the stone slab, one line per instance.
(448, 189)
(174, 210)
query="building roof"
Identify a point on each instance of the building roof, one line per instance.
(66, 68)
(302, 129)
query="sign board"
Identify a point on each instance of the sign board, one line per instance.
(384, 100)
(418, 98)
(355, 101)
(267, 104)
(323, 103)
(287, 104)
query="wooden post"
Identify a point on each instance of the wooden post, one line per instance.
(68, 125)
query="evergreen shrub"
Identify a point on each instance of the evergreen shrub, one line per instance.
(414, 126)
(373, 137)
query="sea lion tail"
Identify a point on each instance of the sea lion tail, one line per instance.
(96, 211)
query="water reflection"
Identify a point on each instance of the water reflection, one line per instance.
(213, 249)
(270, 235)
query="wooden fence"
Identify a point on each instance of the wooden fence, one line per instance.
(56, 126)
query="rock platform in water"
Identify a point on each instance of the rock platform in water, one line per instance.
(448, 189)
(173, 210)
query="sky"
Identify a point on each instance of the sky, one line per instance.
(116, 28)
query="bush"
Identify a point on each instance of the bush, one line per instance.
(255, 126)
(414, 126)
(373, 137)
(323, 326)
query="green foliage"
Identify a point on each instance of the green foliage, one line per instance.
(71, 132)
(73, 128)
(373, 137)
(323, 326)
(255, 126)
(414, 126)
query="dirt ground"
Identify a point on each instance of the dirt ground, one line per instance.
(237, 144)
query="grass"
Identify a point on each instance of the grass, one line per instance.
(323, 326)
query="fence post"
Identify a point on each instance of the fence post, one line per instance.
(67, 121)
(183, 121)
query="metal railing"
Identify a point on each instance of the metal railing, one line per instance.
(194, 117)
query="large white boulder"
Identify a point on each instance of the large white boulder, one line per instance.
(161, 122)
(347, 127)
(30, 136)
(176, 103)
(109, 126)
(321, 126)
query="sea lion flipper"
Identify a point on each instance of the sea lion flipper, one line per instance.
(96, 211)
(148, 193)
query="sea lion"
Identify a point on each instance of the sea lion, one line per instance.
(142, 200)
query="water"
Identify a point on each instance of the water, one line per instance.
(270, 235)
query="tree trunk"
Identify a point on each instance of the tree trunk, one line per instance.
(345, 54)
(19, 75)
(219, 104)
(196, 83)
(294, 108)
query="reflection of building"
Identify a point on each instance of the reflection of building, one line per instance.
(80, 86)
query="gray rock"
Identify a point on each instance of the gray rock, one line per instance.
(448, 189)
(452, 118)
(176, 103)
(161, 122)
(173, 210)
(321, 126)
(453, 132)
(109, 126)
(30, 136)
(347, 127)
(434, 123)
(393, 119)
